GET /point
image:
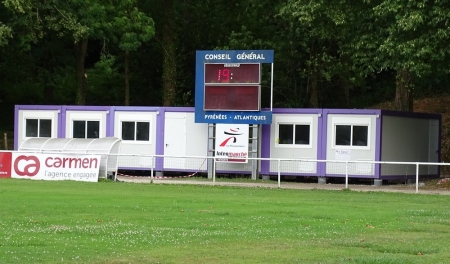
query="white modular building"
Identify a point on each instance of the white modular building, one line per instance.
(299, 142)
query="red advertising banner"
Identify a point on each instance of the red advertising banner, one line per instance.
(55, 167)
(5, 164)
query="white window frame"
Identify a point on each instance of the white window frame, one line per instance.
(40, 114)
(86, 127)
(81, 116)
(134, 117)
(351, 121)
(294, 120)
(38, 134)
(135, 130)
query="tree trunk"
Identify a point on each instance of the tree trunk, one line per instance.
(127, 77)
(80, 55)
(313, 93)
(48, 92)
(404, 91)
(169, 53)
(47, 82)
(312, 89)
(345, 80)
(46, 72)
(346, 86)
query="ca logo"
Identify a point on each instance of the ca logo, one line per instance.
(31, 168)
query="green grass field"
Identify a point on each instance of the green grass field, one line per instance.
(112, 222)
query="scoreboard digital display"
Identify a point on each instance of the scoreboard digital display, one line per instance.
(233, 73)
(232, 87)
(232, 98)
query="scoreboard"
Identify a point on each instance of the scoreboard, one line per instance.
(228, 87)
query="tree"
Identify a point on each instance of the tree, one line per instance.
(327, 53)
(169, 46)
(130, 28)
(416, 36)
(5, 34)
(81, 20)
(373, 36)
(321, 27)
(34, 56)
(77, 20)
(258, 25)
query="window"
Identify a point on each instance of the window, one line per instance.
(86, 129)
(38, 128)
(351, 135)
(136, 131)
(293, 134)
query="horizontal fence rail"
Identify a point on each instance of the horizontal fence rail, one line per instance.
(346, 169)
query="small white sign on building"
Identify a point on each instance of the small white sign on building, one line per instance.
(343, 154)
(232, 143)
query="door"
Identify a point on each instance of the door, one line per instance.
(174, 141)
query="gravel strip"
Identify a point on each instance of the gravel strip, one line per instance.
(400, 188)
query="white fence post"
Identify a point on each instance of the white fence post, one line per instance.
(346, 174)
(279, 173)
(214, 170)
(417, 177)
(151, 171)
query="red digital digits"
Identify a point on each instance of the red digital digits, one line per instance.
(226, 75)
(233, 73)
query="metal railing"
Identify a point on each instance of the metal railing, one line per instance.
(157, 165)
(347, 169)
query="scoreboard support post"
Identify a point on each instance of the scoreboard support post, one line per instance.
(211, 140)
(254, 151)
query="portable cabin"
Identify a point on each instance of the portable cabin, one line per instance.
(144, 131)
(294, 134)
(183, 142)
(376, 136)
(137, 127)
(171, 135)
(36, 121)
(85, 121)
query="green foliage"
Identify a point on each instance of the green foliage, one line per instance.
(327, 53)
(412, 34)
(5, 34)
(133, 28)
(104, 81)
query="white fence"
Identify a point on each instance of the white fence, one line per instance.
(209, 169)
